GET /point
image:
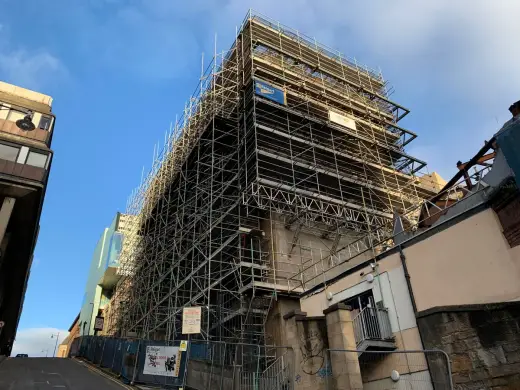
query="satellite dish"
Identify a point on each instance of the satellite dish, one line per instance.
(26, 123)
(369, 278)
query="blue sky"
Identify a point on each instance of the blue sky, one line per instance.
(120, 70)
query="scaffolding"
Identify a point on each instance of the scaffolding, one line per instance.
(286, 168)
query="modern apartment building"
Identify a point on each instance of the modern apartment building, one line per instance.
(103, 276)
(26, 132)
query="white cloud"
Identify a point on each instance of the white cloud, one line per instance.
(33, 69)
(37, 342)
(26, 68)
(464, 48)
(454, 64)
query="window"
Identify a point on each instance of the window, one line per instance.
(45, 123)
(9, 153)
(37, 159)
(14, 115)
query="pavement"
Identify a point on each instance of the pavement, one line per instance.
(53, 374)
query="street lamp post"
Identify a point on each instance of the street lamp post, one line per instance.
(46, 351)
(55, 345)
(91, 315)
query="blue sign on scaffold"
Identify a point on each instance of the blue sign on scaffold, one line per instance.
(268, 91)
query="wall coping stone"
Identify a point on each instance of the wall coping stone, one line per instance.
(337, 306)
(313, 318)
(295, 313)
(472, 307)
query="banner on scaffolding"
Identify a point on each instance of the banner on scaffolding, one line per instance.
(162, 361)
(268, 91)
(342, 120)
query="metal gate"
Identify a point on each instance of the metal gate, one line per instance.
(228, 366)
(384, 370)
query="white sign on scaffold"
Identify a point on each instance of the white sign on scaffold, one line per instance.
(191, 318)
(343, 120)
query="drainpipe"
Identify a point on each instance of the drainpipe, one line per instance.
(407, 277)
(414, 306)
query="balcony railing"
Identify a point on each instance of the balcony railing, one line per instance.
(10, 127)
(372, 324)
(24, 171)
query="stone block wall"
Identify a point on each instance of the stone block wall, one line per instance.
(482, 341)
(204, 375)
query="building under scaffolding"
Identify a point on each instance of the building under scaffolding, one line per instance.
(285, 169)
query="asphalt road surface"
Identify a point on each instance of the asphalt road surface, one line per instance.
(51, 374)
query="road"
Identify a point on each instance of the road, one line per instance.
(51, 374)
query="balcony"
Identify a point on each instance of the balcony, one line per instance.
(24, 171)
(373, 331)
(40, 135)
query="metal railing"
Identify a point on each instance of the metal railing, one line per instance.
(277, 376)
(372, 324)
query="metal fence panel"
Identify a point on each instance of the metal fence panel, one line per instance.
(109, 350)
(202, 365)
(98, 351)
(91, 348)
(74, 347)
(128, 364)
(117, 362)
(384, 370)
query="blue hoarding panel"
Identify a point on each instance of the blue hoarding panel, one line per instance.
(268, 91)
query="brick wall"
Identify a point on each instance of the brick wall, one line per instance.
(483, 342)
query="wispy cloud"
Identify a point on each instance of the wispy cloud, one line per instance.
(37, 341)
(29, 68)
(36, 262)
(464, 47)
(149, 39)
(453, 63)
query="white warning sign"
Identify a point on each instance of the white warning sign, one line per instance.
(191, 317)
(342, 120)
